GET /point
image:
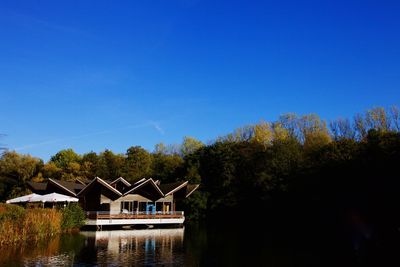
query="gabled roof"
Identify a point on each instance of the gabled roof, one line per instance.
(101, 182)
(83, 181)
(191, 188)
(139, 181)
(170, 188)
(146, 187)
(70, 187)
(37, 186)
(120, 179)
(142, 184)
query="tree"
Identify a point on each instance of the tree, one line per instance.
(160, 148)
(280, 133)
(190, 145)
(89, 164)
(15, 171)
(376, 118)
(263, 133)
(313, 131)
(110, 165)
(395, 118)
(50, 170)
(360, 126)
(19, 167)
(64, 157)
(342, 129)
(165, 166)
(290, 122)
(137, 163)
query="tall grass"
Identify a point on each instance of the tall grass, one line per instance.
(18, 225)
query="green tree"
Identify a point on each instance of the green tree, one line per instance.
(190, 145)
(109, 165)
(89, 163)
(50, 170)
(166, 166)
(64, 157)
(137, 163)
(15, 171)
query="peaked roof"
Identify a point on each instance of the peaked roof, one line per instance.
(170, 188)
(138, 185)
(70, 187)
(37, 186)
(83, 181)
(101, 182)
(191, 188)
(120, 179)
(146, 187)
(139, 181)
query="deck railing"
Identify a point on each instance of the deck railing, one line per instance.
(101, 215)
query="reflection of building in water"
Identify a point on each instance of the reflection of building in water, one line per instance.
(141, 246)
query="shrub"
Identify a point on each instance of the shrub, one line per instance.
(73, 217)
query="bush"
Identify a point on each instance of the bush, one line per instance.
(73, 217)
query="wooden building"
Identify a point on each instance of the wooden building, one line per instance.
(119, 202)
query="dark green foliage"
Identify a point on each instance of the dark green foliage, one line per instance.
(195, 206)
(15, 171)
(137, 164)
(73, 217)
(109, 165)
(165, 166)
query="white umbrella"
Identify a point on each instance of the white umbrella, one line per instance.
(28, 198)
(55, 197)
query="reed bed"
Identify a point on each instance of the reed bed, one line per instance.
(19, 225)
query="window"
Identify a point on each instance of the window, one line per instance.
(159, 206)
(142, 206)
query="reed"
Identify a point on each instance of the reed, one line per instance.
(19, 225)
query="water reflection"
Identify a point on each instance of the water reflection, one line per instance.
(59, 251)
(153, 247)
(150, 247)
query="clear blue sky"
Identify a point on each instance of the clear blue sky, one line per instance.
(91, 75)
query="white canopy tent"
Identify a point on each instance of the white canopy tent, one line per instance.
(28, 198)
(52, 197)
(55, 197)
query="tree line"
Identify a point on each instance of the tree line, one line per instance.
(300, 164)
(16, 169)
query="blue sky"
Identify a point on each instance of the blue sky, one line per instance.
(91, 75)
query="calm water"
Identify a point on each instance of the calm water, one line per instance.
(225, 245)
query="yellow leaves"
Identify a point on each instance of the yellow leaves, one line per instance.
(263, 133)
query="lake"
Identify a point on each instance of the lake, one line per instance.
(194, 245)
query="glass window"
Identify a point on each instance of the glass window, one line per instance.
(142, 206)
(159, 206)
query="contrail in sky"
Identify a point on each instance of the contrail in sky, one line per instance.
(157, 126)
